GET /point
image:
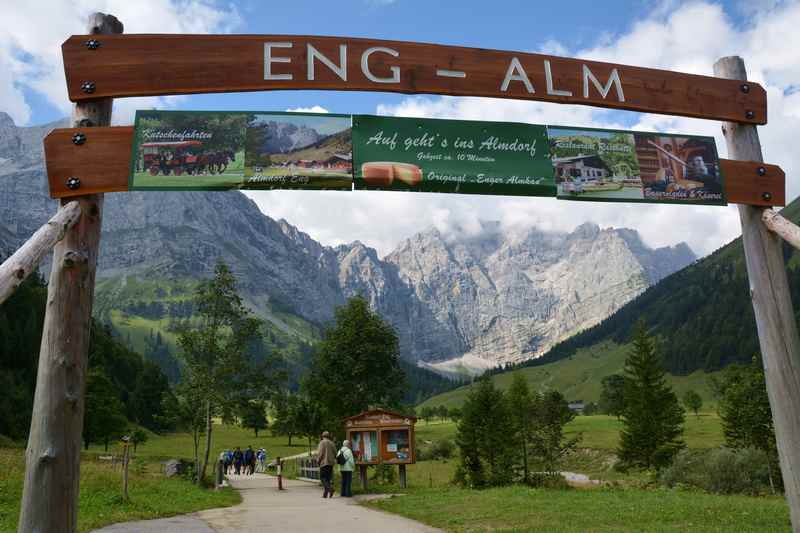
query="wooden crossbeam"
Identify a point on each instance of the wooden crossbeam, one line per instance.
(102, 164)
(146, 65)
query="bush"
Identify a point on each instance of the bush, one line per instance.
(721, 471)
(384, 474)
(441, 449)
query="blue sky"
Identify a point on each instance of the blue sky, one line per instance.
(687, 36)
(500, 24)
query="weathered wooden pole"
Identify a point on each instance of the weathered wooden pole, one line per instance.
(772, 303)
(26, 260)
(50, 495)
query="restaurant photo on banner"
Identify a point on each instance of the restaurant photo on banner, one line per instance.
(454, 156)
(609, 165)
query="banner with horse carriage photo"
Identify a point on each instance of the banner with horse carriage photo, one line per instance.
(210, 150)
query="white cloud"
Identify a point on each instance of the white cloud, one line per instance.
(31, 34)
(313, 109)
(688, 38)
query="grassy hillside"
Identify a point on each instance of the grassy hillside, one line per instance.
(578, 377)
(146, 314)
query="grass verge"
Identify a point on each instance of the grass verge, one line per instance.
(526, 509)
(151, 494)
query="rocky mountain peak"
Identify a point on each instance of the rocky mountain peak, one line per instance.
(482, 295)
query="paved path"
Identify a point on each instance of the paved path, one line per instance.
(300, 508)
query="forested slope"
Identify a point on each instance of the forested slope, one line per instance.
(702, 313)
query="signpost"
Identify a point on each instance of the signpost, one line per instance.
(85, 161)
(144, 65)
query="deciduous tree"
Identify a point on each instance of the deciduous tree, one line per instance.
(356, 366)
(214, 350)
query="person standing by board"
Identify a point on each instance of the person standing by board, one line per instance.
(326, 456)
(347, 464)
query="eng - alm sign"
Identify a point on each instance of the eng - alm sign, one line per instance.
(143, 65)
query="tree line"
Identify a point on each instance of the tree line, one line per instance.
(120, 383)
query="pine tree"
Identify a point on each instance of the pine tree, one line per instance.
(522, 408)
(652, 416)
(746, 414)
(487, 452)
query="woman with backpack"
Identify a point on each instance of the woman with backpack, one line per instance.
(347, 464)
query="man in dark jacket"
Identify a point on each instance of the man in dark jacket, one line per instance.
(326, 455)
(249, 460)
(238, 459)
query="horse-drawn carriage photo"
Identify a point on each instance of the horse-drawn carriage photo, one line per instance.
(183, 157)
(173, 147)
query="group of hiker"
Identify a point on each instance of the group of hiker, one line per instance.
(246, 462)
(327, 456)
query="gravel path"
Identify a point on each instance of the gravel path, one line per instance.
(300, 508)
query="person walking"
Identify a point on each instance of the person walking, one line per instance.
(249, 460)
(347, 463)
(238, 459)
(261, 456)
(228, 461)
(326, 456)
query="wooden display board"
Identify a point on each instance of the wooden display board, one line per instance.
(382, 437)
(146, 65)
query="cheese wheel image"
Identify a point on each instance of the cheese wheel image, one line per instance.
(407, 173)
(378, 174)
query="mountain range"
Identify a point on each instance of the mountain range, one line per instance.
(458, 301)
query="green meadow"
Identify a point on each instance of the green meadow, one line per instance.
(579, 377)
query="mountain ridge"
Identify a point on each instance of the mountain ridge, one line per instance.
(490, 297)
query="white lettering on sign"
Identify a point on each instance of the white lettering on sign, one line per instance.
(515, 72)
(269, 60)
(395, 78)
(548, 75)
(340, 70)
(612, 79)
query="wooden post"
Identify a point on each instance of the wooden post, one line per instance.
(50, 494)
(25, 260)
(126, 459)
(362, 475)
(403, 483)
(769, 291)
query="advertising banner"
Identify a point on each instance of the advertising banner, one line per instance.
(218, 150)
(455, 156)
(609, 165)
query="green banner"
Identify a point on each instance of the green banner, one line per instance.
(218, 150)
(455, 156)
(625, 166)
